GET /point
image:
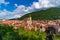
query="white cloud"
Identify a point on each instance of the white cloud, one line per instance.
(3, 1)
(19, 10)
(4, 12)
(16, 16)
(16, 5)
(30, 9)
(6, 3)
(46, 3)
(36, 4)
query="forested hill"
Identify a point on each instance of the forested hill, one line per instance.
(49, 14)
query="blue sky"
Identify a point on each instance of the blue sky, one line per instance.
(16, 8)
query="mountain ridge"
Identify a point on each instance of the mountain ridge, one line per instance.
(49, 14)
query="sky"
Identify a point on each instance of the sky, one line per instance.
(16, 8)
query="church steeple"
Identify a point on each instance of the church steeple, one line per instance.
(30, 17)
(29, 21)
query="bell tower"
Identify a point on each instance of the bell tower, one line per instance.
(30, 18)
(29, 21)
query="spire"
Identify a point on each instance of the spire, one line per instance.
(30, 18)
(29, 22)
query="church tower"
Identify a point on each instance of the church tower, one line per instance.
(29, 21)
(30, 18)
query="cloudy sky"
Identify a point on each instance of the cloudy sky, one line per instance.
(16, 8)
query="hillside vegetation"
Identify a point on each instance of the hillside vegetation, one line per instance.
(49, 14)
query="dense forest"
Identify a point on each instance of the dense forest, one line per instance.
(49, 14)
